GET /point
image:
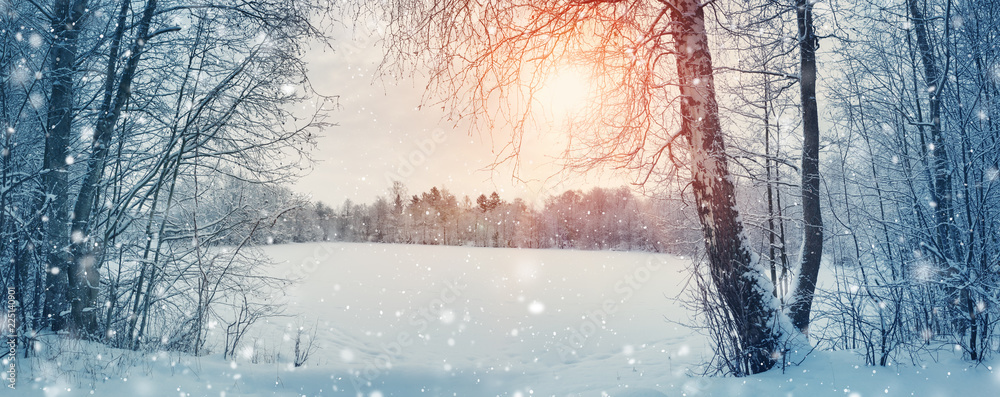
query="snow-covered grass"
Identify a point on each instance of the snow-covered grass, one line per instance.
(407, 320)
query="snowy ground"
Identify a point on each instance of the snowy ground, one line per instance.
(406, 320)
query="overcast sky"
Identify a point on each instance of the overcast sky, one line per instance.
(381, 136)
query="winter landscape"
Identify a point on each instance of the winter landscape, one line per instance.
(411, 320)
(500, 198)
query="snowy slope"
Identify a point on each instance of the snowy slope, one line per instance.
(404, 320)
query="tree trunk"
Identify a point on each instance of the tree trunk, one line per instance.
(939, 164)
(741, 281)
(65, 25)
(941, 192)
(87, 262)
(812, 242)
(941, 180)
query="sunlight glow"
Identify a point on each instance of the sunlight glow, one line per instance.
(565, 92)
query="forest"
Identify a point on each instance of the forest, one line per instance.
(148, 146)
(599, 219)
(119, 117)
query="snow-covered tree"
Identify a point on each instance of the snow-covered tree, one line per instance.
(133, 109)
(662, 66)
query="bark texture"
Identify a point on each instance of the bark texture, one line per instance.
(67, 17)
(745, 289)
(812, 217)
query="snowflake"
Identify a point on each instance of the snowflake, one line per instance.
(37, 100)
(992, 173)
(923, 270)
(35, 40)
(346, 355)
(247, 352)
(447, 316)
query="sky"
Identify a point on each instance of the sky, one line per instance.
(383, 134)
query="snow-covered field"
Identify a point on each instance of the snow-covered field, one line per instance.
(407, 320)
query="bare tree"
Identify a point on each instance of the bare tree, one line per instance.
(484, 53)
(812, 216)
(67, 21)
(304, 349)
(910, 192)
(116, 117)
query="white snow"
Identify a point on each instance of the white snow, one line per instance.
(463, 321)
(35, 40)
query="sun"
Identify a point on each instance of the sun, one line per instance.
(565, 92)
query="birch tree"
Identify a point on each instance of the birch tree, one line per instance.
(656, 100)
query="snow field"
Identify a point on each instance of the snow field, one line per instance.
(409, 320)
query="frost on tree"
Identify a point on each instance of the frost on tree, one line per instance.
(744, 289)
(499, 51)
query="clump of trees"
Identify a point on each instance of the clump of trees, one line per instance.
(895, 193)
(133, 135)
(599, 219)
(916, 196)
(655, 114)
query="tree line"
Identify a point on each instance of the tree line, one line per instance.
(598, 219)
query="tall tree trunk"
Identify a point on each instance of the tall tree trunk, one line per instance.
(744, 288)
(940, 168)
(65, 25)
(812, 241)
(941, 191)
(87, 261)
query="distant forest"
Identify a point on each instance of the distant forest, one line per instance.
(598, 219)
